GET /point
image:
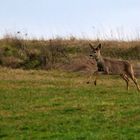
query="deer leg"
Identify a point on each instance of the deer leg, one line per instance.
(135, 81)
(95, 81)
(127, 81)
(96, 73)
(96, 77)
(125, 77)
(89, 78)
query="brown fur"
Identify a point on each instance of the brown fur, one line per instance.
(114, 67)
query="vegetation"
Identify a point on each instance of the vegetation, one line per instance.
(60, 105)
(19, 52)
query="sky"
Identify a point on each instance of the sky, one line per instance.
(64, 18)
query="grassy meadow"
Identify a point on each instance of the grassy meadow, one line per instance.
(58, 105)
(44, 92)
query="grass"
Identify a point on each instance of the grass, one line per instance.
(18, 52)
(57, 105)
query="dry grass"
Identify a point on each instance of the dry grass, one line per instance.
(18, 52)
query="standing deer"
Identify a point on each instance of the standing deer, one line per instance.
(114, 67)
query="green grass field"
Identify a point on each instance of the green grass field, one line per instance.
(56, 105)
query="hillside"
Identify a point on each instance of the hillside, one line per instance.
(68, 54)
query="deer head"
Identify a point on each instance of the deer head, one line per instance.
(95, 51)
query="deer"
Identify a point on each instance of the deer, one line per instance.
(109, 66)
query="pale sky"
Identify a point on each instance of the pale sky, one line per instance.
(80, 18)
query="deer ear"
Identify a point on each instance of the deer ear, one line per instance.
(91, 46)
(99, 46)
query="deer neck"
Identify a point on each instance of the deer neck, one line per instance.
(100, 63)
(99, 59)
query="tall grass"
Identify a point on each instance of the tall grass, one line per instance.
(17, 51)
